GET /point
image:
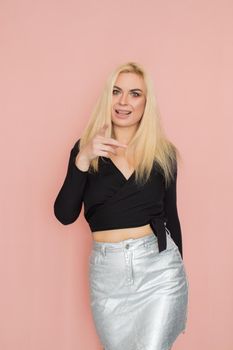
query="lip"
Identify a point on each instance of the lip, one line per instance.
(122, 110)
(122, 116)
(118, 111)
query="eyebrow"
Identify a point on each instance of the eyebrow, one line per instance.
(129, 90)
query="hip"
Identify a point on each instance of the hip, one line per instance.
(135, 259)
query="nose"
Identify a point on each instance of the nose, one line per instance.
(123, 99)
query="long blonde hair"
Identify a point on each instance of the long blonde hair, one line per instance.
(149, 143)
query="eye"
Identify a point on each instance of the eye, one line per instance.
(137, 94)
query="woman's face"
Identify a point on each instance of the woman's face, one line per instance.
(128, 95)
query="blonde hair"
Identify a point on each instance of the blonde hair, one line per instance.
(149, 143)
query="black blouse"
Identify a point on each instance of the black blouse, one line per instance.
(111, 201)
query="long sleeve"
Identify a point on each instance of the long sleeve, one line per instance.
(171, 213)
(68, 203)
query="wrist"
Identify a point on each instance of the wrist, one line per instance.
(82, 163)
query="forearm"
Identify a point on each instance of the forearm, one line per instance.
(68, 203)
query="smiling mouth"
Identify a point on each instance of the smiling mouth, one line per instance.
(119, 111)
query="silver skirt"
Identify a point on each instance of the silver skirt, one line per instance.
(139, 297)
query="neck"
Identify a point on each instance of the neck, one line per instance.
(124, 134)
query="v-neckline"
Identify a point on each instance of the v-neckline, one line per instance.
(122, 175)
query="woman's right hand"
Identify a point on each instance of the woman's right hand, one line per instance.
(99, 145)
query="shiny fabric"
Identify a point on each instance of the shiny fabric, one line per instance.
(139, 297)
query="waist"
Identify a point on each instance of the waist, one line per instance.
(117, 235)
(156, 223)
(130, 243)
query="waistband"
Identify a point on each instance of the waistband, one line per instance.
(130, 243)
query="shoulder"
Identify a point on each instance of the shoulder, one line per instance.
(168, 172)
(75, 148)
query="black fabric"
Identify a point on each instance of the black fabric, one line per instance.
(112, 202)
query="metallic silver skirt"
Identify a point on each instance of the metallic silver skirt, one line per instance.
(139, 297)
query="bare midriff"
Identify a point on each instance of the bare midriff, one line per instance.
(118, 235)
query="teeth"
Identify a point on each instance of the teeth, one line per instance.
(122, 112)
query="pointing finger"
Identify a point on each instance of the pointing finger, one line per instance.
(103, 130)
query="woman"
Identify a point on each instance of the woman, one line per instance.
(124, 169)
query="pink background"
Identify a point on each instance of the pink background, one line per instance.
(55, 57)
